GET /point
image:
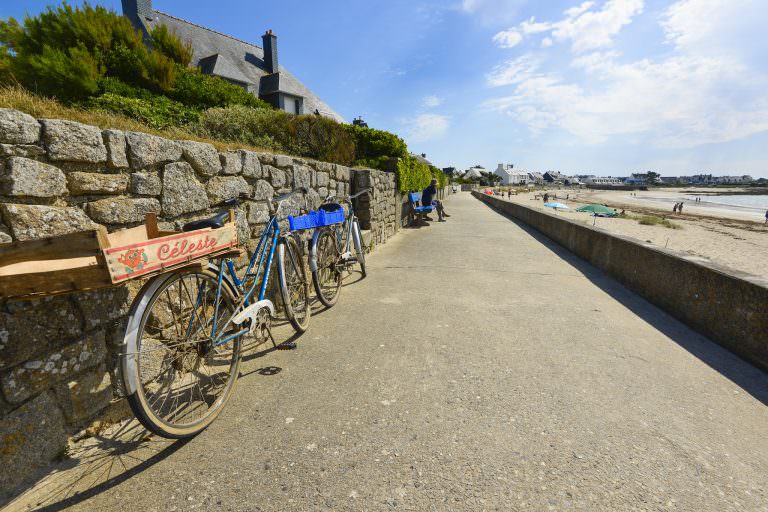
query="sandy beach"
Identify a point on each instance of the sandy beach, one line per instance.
(730, 236)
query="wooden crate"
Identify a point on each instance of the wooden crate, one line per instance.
(94, 259)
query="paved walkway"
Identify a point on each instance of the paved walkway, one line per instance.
(479, 367)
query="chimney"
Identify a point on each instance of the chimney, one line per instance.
(270, 51)
(423, 155)
(138, 11)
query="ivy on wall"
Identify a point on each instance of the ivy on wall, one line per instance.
(415, 176)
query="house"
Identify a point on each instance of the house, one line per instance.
(554, 177)
(510, 176)
(253, 68)
(734, 180)
(536, 178)
(473, 173)
(603, 181)
(451, 172)
(639, 180)
(422, 158)
(573, 181)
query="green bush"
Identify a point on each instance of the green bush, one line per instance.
(171, 46)
(412, 175)
(63, 51)
(308, 136)
(156, 112)
(195, 89)
(374, 148)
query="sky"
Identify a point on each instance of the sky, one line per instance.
(605, 87)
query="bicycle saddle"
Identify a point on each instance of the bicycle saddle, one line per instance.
(215, 222)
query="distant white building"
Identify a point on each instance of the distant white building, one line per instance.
(603, 181)
(509, 176)
(734, 180)
(639, 180)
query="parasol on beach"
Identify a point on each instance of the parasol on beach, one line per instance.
(556, 206)
(598, 209)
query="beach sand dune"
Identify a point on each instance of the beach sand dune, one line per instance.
(712, 233)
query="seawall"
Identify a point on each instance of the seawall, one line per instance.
(728, 306)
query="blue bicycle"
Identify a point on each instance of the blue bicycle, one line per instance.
(182, 345)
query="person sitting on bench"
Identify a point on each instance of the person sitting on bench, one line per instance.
(426, 200)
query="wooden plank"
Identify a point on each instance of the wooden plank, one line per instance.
(32, 267)
(127, 236)
(73, 245)
(52, 283)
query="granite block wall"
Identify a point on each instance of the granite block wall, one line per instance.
(58, 355)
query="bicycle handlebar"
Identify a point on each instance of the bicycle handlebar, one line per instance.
(364, 191)
(349, 198)
(283, 197)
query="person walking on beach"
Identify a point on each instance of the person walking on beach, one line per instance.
(766, 216)
(680, 208)
(674, 208)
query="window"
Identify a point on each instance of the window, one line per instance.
(292, 104)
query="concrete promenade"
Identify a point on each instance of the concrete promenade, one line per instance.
(478, 367)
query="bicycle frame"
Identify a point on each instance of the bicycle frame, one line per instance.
(348, 224)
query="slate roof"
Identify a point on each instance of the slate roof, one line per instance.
(237, 60)
(421, 158)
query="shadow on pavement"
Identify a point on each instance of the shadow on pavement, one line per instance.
(96, 465)
(739, 371)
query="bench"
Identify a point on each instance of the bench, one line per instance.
(417, 211)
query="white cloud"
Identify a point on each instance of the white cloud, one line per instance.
(546, 42)
(513, 71)
(508, 38)
(491, 12)
(584, 27)
(690, 21)
(425, 127)
(578, 10)
(432, 101)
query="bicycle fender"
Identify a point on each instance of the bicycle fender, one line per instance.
(132, 329)
(313, 251)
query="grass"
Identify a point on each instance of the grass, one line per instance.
(653, 220)
(39, 107)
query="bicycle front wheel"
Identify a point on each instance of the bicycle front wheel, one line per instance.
(177, 380)
(326, 274)
(294, 285)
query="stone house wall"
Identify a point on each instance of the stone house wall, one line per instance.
(58, 355)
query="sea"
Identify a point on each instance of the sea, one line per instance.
(747, 203)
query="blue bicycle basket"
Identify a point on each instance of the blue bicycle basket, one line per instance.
(328, 214)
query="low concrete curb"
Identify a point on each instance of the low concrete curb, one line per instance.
(726, 305)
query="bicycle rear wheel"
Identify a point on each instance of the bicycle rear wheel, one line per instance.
(294, 285)
(177, 381)
(326, 275)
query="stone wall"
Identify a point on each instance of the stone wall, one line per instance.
(58, 355)
(723, 304)
(377, 211)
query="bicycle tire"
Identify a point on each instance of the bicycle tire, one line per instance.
(357, 239)
(294, 285)
(326, 277)
(131, 363)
